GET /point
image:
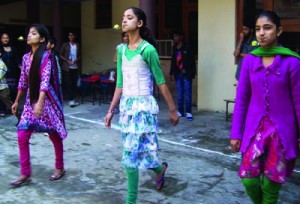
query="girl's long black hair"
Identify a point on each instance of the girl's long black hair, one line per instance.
(145, 33)
(34, 73)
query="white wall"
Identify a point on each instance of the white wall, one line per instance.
(216, 66)
(98, 45)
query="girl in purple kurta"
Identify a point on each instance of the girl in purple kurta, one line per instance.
(266, 116)
(43, 109)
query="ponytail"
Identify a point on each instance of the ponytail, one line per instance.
(146, 35)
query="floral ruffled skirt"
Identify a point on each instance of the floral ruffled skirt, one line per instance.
(139, 126)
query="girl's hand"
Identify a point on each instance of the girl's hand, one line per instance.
(174, 117)
(235, 145)
(107, 119)
(14, 108)
(37, 110)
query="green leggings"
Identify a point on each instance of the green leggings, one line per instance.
(133, 182)
(262, 190)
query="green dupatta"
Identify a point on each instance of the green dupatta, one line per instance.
(266, 52)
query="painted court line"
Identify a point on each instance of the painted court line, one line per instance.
(116, 127)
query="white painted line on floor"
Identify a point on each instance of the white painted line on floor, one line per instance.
(201, 149)
(73, 113)
(100, 122)
(116, 127)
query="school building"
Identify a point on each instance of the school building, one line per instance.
(211, 26)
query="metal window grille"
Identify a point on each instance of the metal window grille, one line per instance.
(164, 48)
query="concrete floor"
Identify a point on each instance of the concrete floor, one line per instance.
(202, 168)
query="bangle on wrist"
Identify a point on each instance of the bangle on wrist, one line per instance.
(111, 111)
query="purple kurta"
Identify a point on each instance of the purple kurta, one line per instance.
(272, 91)
(52, 118)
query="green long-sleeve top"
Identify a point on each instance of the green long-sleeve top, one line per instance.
(149, 55)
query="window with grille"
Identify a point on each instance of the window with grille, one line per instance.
(164, 48)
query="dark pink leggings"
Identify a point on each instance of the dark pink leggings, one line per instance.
(23, 141)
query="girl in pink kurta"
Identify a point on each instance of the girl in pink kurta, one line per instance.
(43, 109)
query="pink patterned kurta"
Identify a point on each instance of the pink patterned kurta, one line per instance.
(52, 118)
(265, 154)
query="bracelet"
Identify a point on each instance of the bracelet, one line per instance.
(111, 111)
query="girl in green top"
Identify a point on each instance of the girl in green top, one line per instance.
(137, 64)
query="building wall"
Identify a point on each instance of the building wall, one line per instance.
(98, 45)
(71, 14)
(216, 66)
(17, 10)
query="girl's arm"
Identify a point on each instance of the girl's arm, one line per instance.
(114, 103)
(38, 107)
(22, 86)
(294, 75)
(14, 107)
(172, 109)
(151, 57)
(115, 56)
(243, 94)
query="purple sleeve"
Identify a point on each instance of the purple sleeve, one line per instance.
(242, 100)
(295, 86)
(45, 75)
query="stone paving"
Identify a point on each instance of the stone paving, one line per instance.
(202, 168)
